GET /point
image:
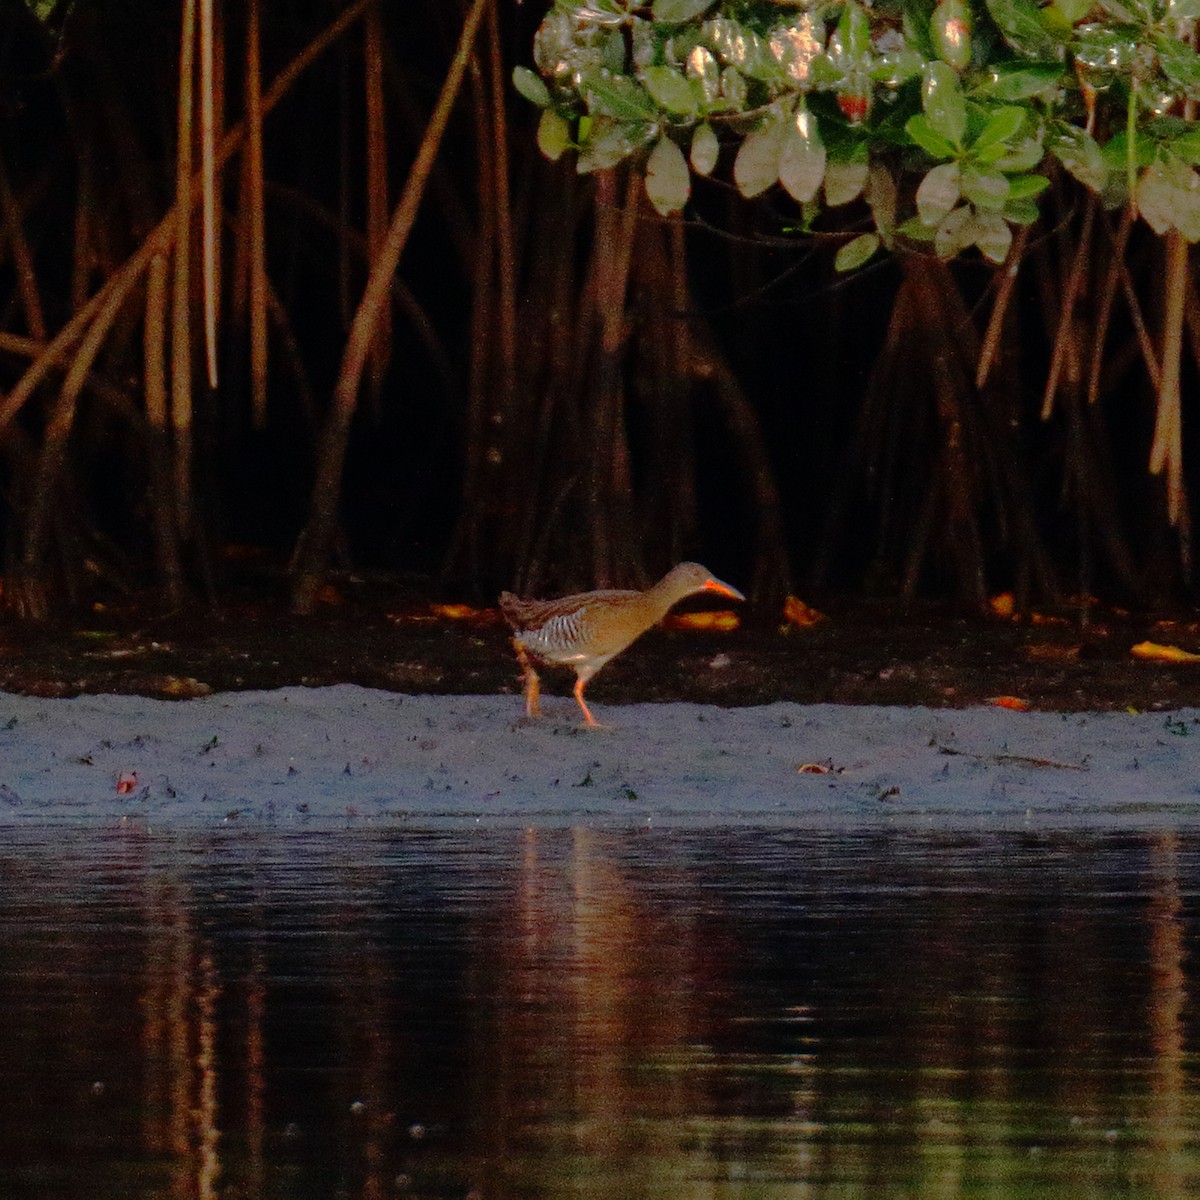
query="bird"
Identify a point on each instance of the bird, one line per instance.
(586, 630)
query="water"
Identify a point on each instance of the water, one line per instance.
(679, 1014)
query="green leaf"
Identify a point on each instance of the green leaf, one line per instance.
(798, 47)
(917, 230)
(955, 233)
(918, 128)
(938, 193)
(706, 149)
(703, 68)
(1022, 156)
(844, 181)
(1002, 126)
(987, 190)
(951, 30)
(1021, 25)
(943, 102)
(992, 236)
(553, 135)
(678, 11)
(1079, 152)
(668, 181)
(855, 252)
(741, 47)
(619, 97)
(917, 30)
(1023, 187)
(1168, 196)
(1135, 13)
(802, 157)
(610, 142)
(1179, 62)
(1020, 80)
(1107, 49)
(854, 32)
(1183, 143)
(756, 167)
(734, 89)
(671, 90)
(1067, 13)
(894, 67)
(530, 85)
(1021, 212)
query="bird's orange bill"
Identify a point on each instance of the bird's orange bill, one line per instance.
(796, 612)
(1155, 652)
(1013, 702)
(723, 589)
(721, 619)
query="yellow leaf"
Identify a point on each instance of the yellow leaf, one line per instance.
(1155, 652)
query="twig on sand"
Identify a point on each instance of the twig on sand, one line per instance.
(1020, 760)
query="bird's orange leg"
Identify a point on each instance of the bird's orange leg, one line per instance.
(533, 690)
(587, 715)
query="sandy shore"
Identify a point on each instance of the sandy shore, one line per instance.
(348, 754)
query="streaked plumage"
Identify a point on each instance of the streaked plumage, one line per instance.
(586, 630)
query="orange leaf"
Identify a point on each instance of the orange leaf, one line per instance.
(1042, 619)
(1003, 605)
(720, 619)
(126, 782)
(813, 769)
(455, 612)
(1154, 652)
(1013, 702)
(798, 613)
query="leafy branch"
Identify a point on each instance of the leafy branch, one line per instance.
(946, 117)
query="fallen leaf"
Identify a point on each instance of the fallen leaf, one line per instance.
(1049, 652)
(182, 687)
(1003, 605)
(796, 612)
(423, 618)
(1013, 702)
(1043, 619)
(126, 782)
(721, 619)
(1155, 652)
(456, 612)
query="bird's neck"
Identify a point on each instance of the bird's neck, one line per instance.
(663, 595)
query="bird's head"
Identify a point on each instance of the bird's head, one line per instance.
(689, 578)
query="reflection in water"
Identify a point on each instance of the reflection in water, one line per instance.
(590, 1013)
